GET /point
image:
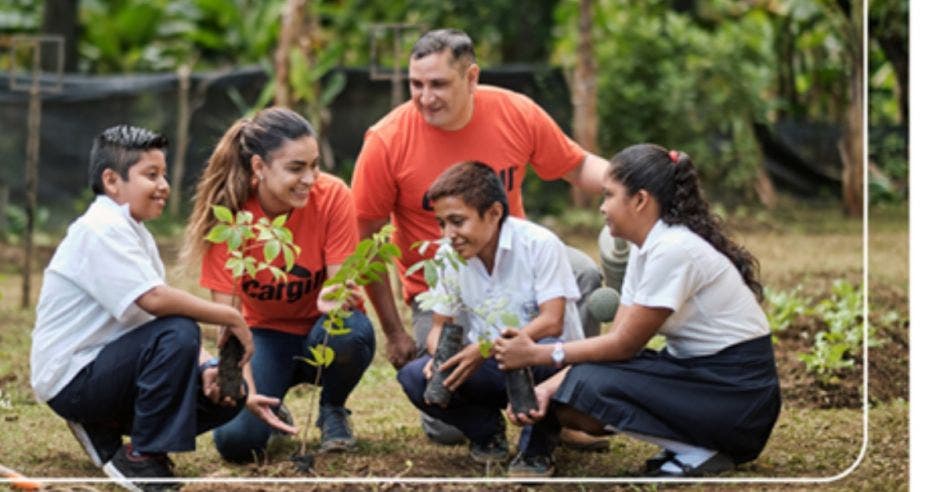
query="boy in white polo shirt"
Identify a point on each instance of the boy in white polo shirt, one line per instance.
(511, 261)
(115, 350)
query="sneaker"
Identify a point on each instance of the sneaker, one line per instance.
(494, 449)
(125, 466)
(582, 441)
(99, 443)
(441, 432)
(717, 463)
(535, 466)
(335, 432)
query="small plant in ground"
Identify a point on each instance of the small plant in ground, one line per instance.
(837, 347)
(783, 308)
(241, 234)
(370, 259)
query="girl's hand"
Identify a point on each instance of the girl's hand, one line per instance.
(261, 406)
(353, 299)
(542, 396)
(465, 363)
(513, 350)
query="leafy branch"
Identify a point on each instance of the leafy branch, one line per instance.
(491, 311)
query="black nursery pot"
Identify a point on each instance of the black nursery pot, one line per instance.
(449, 343)
(520, 388)
(230, 375)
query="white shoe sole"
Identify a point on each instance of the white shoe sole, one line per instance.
(119, 478)
(85, 440)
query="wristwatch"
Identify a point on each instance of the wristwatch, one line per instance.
(558, 354)
(213, 362)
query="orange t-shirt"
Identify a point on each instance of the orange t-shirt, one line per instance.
(325, 230)
(402, 156)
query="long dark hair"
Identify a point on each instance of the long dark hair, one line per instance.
(671, 178)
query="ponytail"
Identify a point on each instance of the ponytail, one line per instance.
(226, 181)
(672, 179)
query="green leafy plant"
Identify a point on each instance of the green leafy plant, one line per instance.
(783, 308)
(241, 234)
(370, 259)
(837, 347)
(492, 311)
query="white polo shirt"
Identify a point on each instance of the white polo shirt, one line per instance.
(106, 261)
(712, 306)
(531, 267)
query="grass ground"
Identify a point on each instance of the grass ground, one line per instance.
(804, 247)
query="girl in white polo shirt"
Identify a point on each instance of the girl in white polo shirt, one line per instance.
(711, 397)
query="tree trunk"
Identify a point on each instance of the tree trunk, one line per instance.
(61, 17)
(183, 115)
(584, 95)
(292, 21)
(850, 144)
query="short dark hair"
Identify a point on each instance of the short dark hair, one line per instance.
(473, 182)
(118, 148)
(438, 40)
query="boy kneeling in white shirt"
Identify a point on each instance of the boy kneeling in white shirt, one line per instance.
(115, 350)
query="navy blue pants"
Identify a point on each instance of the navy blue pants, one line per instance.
(276, 369)
(475, 408)
(147, 384)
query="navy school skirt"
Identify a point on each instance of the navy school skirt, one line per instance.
(728, 401)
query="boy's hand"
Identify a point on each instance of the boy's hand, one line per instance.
(261, 406)
(243, 334)
(212, 390)
(513, 349)
(465, 363)
(428, 369)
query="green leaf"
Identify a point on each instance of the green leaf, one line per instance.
(430, 274)
(322, 354)
(279, 220)
(219, 233)
(235, 238)
(415, 267)
(289, 257)
(486, 347)
(222, 214)
(271, 249)
(509, 319)
(244, 217)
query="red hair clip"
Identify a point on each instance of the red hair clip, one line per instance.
(674, 156)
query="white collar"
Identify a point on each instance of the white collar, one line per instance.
(658, 229)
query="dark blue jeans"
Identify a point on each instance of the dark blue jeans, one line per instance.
(276, 369)
(475, 408)
(147, 384)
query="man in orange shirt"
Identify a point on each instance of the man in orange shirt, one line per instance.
(451, 118)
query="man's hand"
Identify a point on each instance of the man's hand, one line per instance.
(465, 363)
(261, 406)
(400, 349)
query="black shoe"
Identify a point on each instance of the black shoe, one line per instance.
(535, 466)
(494, 449)
(125, 466)
(658, 460)
(718, 463)
(100, 443)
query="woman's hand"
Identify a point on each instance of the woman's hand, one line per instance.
(513, 350)
(261, 406)
(542, 397)
(465, 363)
(354, 299)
